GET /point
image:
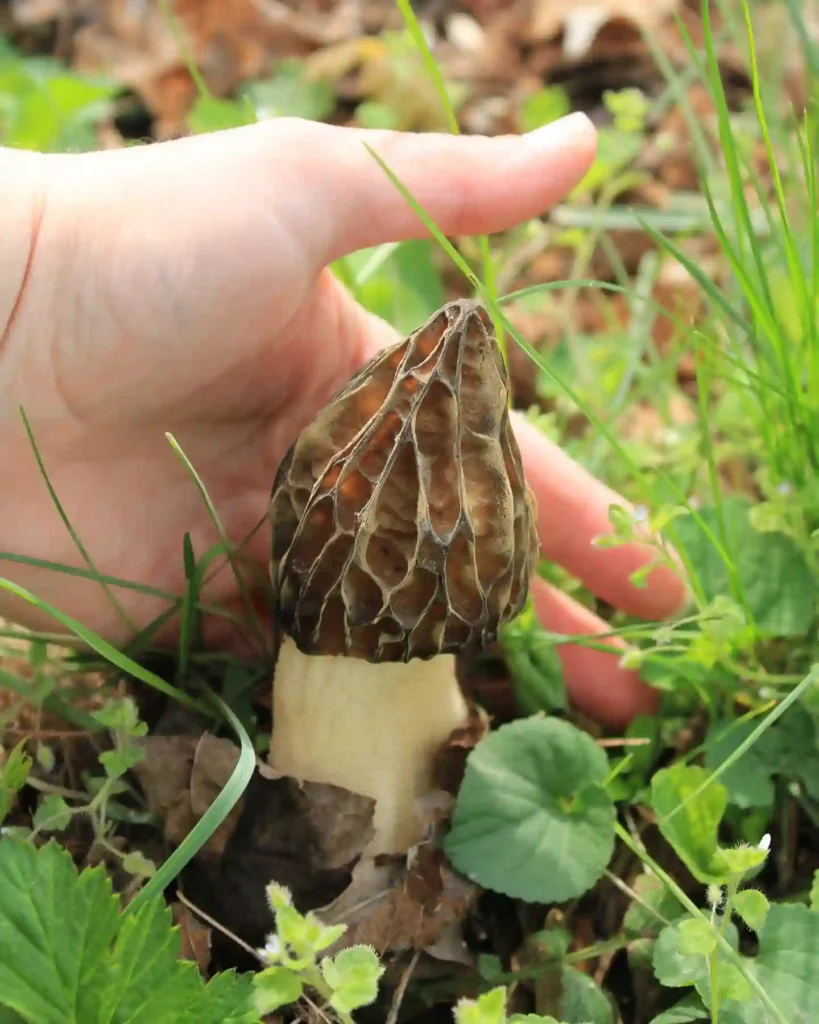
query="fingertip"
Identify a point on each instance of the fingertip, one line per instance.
(597, 684)
(575, 133)
(468, 184)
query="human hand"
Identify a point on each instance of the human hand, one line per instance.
(184, 287)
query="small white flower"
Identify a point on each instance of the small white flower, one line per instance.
(784, 488)
(640, 514)
(765, 842)
(272, 948)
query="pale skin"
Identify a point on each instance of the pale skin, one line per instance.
(184, 287)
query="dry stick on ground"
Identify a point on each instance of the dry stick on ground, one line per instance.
(401, 988)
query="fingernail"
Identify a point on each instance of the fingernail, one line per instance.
(558, 133)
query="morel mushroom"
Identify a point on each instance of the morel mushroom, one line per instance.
(403, 534)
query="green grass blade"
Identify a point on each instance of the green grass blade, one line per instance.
(434, 72)
(211, 819)
(430, 64)
(88, 574)
(750, 739)
(53, 702)
(67, 522)
(456, 257)
(102, 647)
(736, 958)
(252, 615)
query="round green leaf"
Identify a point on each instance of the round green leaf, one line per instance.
(276, 987)
(689, 813)
(776, 581)
(532, 819)
(583, 1000)
(674, 967)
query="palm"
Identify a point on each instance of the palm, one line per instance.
(234, 423)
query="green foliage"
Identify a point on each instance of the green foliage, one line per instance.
(691, 825)
(346, 981)
(288, 93)
(215, 114)
(773, 580)
(532, 818)
(654, 906)
(398, 282)
(353, 977)
(543, 107)
(490, 1008)
(535, 816)
(789, 749)
(13, 776)
(630, 773)
(73, 955)
(619, 143)
(534, 664)
(785, 966)
(689, 1009)
(814, 892)
(582, 1000)
(54, 813)
(44, 107)
(752, 906)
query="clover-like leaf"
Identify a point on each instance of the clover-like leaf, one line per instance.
(488, 1008)
(687, 1011)
(690, 825)
(275, 987)
(752, 906)
(814, 892)
(677, 968)
(532, 819)
(13, 777)
(353, 976)
(787, 965)
(696, 937)
(52, 815)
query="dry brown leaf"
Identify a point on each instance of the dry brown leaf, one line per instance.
(194, 936)
(35, 12)
(643, 422)
(450, 760)
(388, 72)
(181, 776)
(165, 775)
(307, 837)
(581, 22)
(393, 906)
(230, 42)
(213, 763)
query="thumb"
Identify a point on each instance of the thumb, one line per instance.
(467, 184)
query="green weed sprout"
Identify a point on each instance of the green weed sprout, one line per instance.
(343, 982)
(490, 1008)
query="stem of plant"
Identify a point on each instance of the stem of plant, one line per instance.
(315, 980)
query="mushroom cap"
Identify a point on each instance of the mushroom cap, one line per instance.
(402, 524)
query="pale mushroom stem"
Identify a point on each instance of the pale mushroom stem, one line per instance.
(372, 729)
